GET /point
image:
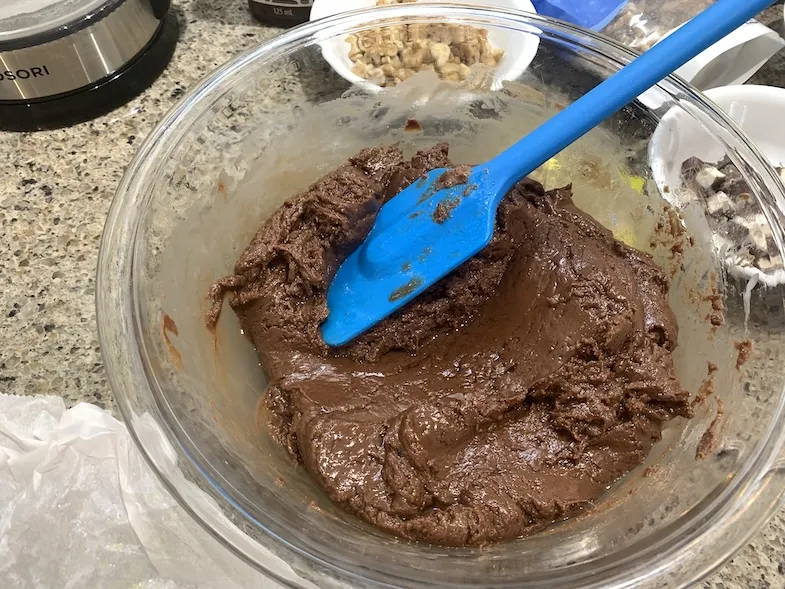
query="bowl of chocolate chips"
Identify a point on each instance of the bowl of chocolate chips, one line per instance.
(593, 400)
(682, 148)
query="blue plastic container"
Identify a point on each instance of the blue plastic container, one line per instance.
(590, 14)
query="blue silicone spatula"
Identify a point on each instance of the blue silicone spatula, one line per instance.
(424, 233)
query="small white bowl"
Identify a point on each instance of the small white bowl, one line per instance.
(758, 110)
(519, 50)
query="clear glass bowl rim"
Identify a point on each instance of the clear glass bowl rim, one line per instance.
(726, 521)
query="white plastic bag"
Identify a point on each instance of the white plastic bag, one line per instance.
(81, 509)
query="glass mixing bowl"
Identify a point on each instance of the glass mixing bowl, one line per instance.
(273, 120)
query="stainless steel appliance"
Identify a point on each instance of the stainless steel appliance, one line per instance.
(65, 61)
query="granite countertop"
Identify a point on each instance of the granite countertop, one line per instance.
(55, 194)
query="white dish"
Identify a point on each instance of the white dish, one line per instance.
(519, 50)
(759, 111)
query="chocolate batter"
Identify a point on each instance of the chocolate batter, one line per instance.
(508, 396)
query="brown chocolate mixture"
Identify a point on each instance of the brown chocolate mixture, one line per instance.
(452, 177)
(744, 348)
(509, 395)
(710, 439)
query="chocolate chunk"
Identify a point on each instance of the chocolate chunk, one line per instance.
(691, 167)
(734, 183)
(710, 178)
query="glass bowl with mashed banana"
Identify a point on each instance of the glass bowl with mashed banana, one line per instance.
(594, 400)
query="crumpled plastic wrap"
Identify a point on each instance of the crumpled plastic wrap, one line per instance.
(80, 508)
(640, 24)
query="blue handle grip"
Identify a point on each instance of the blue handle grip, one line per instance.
(626, 85)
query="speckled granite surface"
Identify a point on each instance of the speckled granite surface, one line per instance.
(54, 196)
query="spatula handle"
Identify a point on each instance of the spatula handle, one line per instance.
(711, 25)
